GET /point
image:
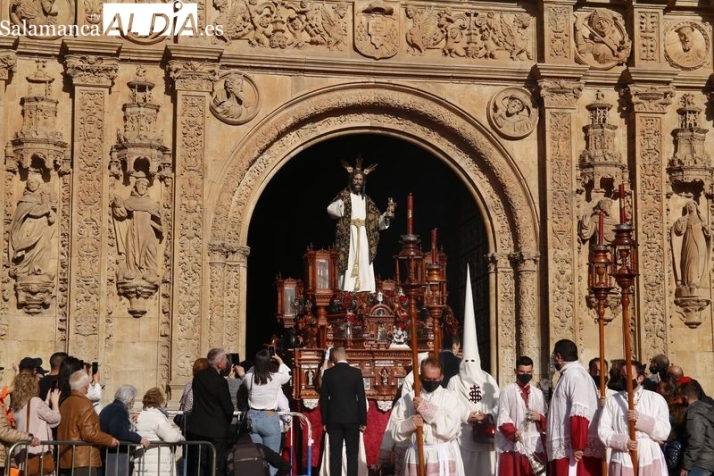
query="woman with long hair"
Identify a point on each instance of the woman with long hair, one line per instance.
(153, 424)
(35, 416)
(264, 387)
(69, 366)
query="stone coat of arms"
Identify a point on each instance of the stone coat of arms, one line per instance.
(377, 28)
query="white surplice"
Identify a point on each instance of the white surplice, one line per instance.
(512, 409)
(575, 395)
(442, 412)
(651, 427)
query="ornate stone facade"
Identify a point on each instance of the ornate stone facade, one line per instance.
(541, 108)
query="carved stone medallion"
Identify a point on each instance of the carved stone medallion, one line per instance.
(235, 98)
(687, 45)
(513, 113)
(601, 39)
(376, 28)
(42, 17)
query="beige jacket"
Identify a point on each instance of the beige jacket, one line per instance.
(8, 436)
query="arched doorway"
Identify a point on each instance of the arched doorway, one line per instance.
(290, 216)
(476, 157)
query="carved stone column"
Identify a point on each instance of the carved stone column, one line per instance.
(648, 105)
(236, 282)
(503, 338)
(559, 100)
(646, 26)
(8, 62)
(528, 325)
(193, 82)
(91, 75)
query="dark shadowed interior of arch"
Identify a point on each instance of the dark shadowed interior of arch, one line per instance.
(291, 215)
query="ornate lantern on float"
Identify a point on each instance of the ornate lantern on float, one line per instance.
(321, 275)
(289, 290)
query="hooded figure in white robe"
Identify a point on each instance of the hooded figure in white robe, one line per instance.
(478, 391)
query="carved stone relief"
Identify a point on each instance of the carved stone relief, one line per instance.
(42, 17)
(283, 25)
(649, 31)
(690, 167)
(473, 34)
(236, 99)
(376, 28)
(558, 31)
(36, 151)
(513, 112)
(687, 45)
(601, 39)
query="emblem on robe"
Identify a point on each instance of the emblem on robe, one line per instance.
(377, 29)
(475, 394)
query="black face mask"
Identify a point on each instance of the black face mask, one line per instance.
(429, 385)
(634, 383)
(523, 379)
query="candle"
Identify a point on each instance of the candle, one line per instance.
(601, 228)
(410, 210)
(623, 218)
(397, 271)
(434, 254)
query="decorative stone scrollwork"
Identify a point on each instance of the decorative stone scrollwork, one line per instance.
(473, 34)
(600, 162)
(236, 99)
(601, 39)
(687, 45)
(560, 93)
(376, 28)
(513, 113)
(384, 405)
(654, 99)
(283, 24)
(8, 64)
(192, 75)
(87, 70)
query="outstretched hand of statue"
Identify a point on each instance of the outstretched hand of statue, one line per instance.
(391, 208)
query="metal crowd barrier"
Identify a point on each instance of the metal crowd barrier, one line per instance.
(184, 458)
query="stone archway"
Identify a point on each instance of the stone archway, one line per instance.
(410, 114)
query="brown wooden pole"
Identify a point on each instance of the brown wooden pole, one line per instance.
(412, 294)
(628, 362)
(603, 390)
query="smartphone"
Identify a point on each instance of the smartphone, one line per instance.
(235, 359)
(95, 367)
(271, 349)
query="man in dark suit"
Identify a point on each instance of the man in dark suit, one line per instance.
(212, 411)
(344, 411)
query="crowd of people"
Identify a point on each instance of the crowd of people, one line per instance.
(467, 425)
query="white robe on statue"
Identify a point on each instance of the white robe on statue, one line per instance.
(478, 391)
(442, 413)
(652, 426)
(359, 246)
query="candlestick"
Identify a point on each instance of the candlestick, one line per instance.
(434, 254)
(410, 210)
(601, 228)
(623, 218)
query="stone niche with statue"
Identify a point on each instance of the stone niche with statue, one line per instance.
(375, 328)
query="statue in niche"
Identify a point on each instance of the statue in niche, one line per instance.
(694, 253)
(589, 223)
(602, 41)
(384, 377)
(138, 227)
(31, 231)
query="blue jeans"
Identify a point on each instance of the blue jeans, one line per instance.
(699, 471)
(265, 429)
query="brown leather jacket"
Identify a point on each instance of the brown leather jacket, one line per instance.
(80, 423)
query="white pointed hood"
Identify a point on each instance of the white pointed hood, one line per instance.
(475, 385)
